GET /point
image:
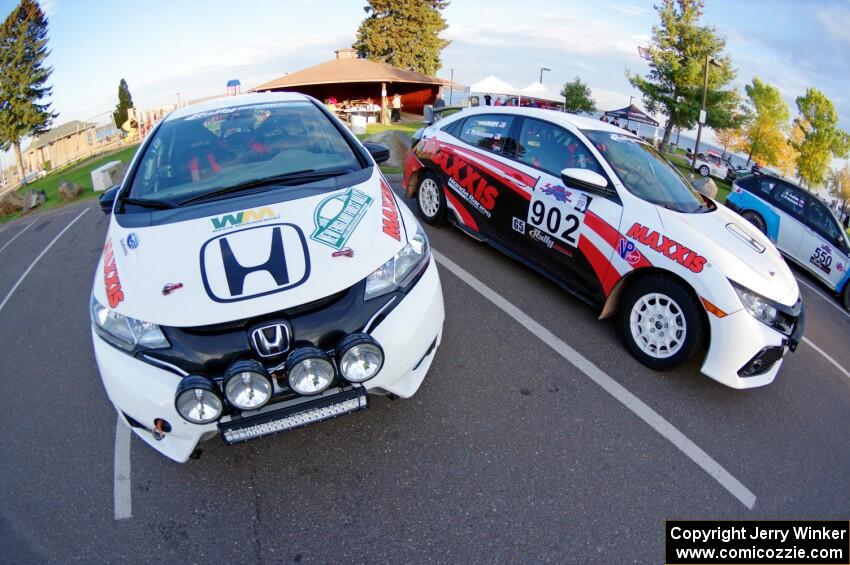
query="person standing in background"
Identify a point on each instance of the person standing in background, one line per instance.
(439, 102)
(396, 115)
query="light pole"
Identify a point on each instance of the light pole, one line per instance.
(702, 116)
(452, 87)
(628, 123)
(541, 73)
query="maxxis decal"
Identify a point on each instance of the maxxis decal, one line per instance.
(389, 209)
(668, 247)
(114, 293)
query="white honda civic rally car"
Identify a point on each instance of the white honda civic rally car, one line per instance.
(258, 275)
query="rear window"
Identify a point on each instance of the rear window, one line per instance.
(791, 200)
(487, 132)
(208, 151)
(760, 186)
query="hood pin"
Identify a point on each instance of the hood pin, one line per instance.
(344, 252)
(169, 288)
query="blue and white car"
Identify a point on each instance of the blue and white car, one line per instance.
(801, 226)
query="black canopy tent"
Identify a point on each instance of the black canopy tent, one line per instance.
(632, 113)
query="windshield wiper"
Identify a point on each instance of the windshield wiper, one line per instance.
(147, 203)
(296, 177)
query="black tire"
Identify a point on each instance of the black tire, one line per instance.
(703, 170)
(686, 310)
(425, 205)
(755, 219)
(845, 296)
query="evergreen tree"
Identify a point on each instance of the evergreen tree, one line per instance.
(578, 99)
(23, 77)
(404, 33)
(125, 102)
(678, 53)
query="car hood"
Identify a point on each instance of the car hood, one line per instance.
(250, 262)
(741, 252)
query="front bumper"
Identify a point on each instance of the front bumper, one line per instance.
(142, 392)
(738, 340)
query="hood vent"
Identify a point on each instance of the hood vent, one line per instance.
(741, 234)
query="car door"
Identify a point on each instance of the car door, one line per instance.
(790, 204)
(558, 224)
(823, 245)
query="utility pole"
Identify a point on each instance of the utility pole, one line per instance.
(702, 116)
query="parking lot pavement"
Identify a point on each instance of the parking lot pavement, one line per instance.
(507, 451)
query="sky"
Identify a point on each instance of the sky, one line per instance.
(163, 48)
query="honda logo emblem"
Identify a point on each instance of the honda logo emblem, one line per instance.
(254, 262)
(271, 340)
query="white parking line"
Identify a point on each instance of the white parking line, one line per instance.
(825, 297)
(826, 356)
(122, 485)
(612, 387)
(14, 237)
(40, 255)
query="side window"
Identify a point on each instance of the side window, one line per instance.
(766, 186)
(551, 148)
(487, 131)
(822, 221)
(454, 128)
(792, 201)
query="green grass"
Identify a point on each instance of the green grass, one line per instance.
(408, 128)
(80, 174)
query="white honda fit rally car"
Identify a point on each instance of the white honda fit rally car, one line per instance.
(258, 275)
(603, 214)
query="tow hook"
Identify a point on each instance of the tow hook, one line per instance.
(161, 427)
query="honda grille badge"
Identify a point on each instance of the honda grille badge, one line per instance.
(271, 340)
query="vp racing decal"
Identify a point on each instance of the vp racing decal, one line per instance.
(337, 216)
(389, 209)
(114, 293)
(670, 248)
(243, 218)
(254, 262)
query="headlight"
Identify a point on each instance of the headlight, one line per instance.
(310, 370)
(760, 307)
(401, 268)
(127, 333)
(359, 358)
(247, 385)
(197, 400)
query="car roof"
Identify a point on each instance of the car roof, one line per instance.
(235, 102)
(563, 118)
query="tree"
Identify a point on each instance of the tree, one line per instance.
(765, 133)
(730, 138)
(578, 99)
(677, 55)
(125, 102)
(404, 33)
(23, 77)
(838, 184)
(822, 138)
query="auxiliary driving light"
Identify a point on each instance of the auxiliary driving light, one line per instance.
(197, 400)
(247, 385)
(310, 370)
(359, 357)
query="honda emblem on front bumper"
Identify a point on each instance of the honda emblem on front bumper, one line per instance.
(271, 340)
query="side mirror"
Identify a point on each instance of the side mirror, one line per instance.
(107, 199)
(378, 151)
(585, 179)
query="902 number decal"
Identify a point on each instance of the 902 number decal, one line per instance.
(554, 218)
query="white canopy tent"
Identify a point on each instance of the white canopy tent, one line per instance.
(494, 87)
(540, 91)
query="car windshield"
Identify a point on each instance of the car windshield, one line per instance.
(209, 152)
(645, 173)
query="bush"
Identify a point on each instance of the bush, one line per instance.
(11, 203)
(69, 190)
(47, 165)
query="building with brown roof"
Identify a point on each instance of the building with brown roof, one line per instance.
(349, 78)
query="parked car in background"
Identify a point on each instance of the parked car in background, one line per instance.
(803, 228)
(604, 215)
(258, 275)
(712, 165)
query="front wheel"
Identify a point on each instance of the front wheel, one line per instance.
(430, 200)
(662, 322)
(845, 296)
(756, 220)
(703, 170)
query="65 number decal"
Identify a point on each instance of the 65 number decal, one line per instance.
(556, 219)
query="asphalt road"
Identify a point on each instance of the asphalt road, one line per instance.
(508, 452)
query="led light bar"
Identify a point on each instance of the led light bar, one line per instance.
(296, 419)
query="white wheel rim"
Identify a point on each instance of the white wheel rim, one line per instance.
(658, 325)
(429, 197)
